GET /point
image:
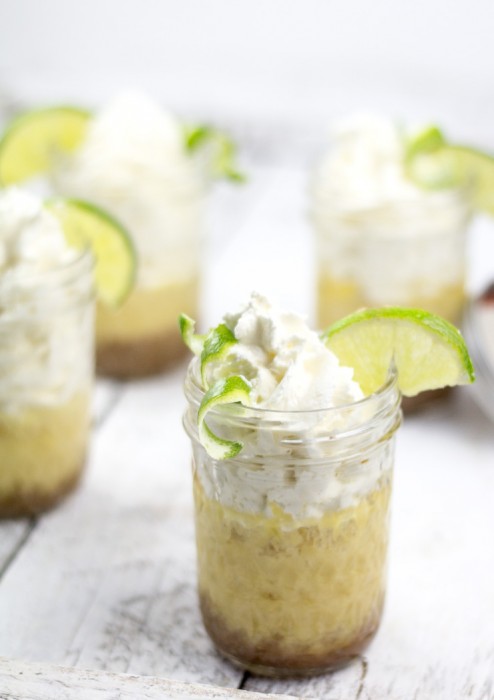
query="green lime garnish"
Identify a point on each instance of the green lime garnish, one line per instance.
(433, 163)
(193, 340)
(217, 343)
(86, 225)
(427, 351)
(233, 389)
(33, 141)
(219, 151)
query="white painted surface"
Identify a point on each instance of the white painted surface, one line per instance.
(282, 60)
(44, 682)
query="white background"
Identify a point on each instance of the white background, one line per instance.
(294, 61)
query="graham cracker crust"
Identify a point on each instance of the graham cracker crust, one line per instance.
(143, 357)
(25, 504)
(270, 659)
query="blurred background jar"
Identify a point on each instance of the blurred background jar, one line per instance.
(381, 239)
(46, 357)
(133, 162)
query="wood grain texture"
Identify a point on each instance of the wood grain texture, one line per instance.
(23, 681)
(107, 581)
(14, 534)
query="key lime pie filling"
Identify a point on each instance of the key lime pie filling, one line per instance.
(381, 239)
(46, 363)
(291, 529)
(133, 163)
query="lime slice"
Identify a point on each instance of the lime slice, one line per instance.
(219, 150)
(432, 163)
(233, 389)
(193, 341)
(216, 345)
(85, 225)
(427, 351)
(32, 142)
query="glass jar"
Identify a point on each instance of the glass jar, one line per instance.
(403, 253)
(46, 372)
(292, 533)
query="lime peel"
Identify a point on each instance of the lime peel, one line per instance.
(433, 163)
(193, 341)
(233, 389)
(216, 344)
(223, 150)
(428, 352)
(88, 226)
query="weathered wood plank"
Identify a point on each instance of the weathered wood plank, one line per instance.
(23, 681)
(437, 637)
(107, 580)
(13, 534)
(105, 397)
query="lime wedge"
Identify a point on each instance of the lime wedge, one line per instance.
(216, 345)
(233, 389)
(219, 151)
(32, 142)
(193, 341)
(432, 163)
(427, 351)
(87, 226)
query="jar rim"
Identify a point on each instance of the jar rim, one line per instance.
(386, 390)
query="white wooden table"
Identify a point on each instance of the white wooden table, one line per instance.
(97, 598)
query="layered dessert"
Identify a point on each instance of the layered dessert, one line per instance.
(382, 239)
(46, 347)
(133, 163)
(292, 530)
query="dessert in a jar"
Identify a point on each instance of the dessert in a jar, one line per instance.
(293, 440)
(381, 238)
(46, 357)
(133, 163)
(292, 531)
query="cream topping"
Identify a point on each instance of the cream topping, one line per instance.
(288, 365)
(282, 463)
(134, 164)
(45, 317)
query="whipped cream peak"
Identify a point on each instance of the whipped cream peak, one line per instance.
(31, 239)
(365, 169)
(287, 364)
(133, 129)
(134, 163)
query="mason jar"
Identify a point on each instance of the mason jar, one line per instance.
(292, 533)
(401, 253)
(46, 373)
